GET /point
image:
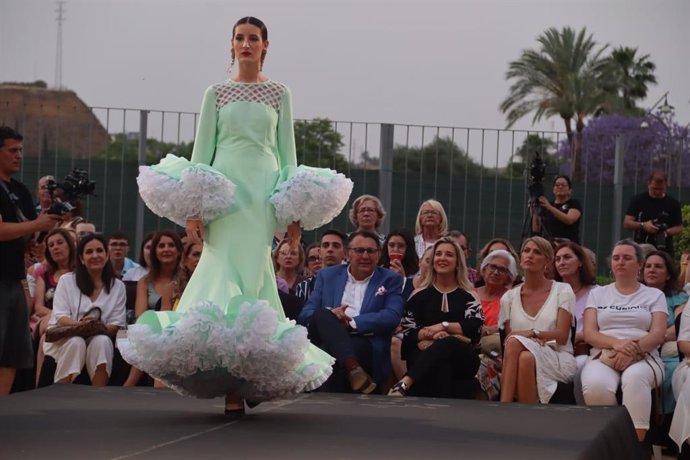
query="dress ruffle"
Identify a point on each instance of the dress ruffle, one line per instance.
(313, 196)
(208, 353)
(177, 189)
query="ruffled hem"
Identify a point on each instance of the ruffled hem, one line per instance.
(208, 353)
(313, 196)
(177, 189)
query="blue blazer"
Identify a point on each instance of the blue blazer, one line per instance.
(381, 311)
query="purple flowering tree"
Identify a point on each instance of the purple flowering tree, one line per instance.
(657, 144)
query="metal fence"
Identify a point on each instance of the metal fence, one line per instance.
(466, 169)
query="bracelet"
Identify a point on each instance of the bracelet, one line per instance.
(641, 225)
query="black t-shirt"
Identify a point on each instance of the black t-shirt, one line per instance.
(558, 229)
(12, 252)
(644, 207)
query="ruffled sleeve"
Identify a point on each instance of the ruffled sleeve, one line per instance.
(313, 196)
(177, 189)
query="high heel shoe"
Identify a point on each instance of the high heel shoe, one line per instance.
(234, 409)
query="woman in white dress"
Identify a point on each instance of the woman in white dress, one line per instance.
(93, 284)
(537, 318)
(627, 320)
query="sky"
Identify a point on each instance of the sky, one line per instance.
(430, 62)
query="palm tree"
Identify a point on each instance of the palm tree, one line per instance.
(562, 78)
(630, 77)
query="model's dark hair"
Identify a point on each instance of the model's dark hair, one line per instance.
(671, 285)
(365, 234)
(155, 269)
(586, 272)
(84, 281)
(69, 240)
(8, 133)
(142, 259)
(410, 261)
(255, 22)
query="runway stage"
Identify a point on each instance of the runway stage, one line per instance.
(75, 422)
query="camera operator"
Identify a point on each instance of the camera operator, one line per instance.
(561, 217)
(17, 220)
(654, 216)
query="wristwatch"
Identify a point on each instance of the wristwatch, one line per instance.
(445, 324)
(536, 332)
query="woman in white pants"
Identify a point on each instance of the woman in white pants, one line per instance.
(93, 284)
(630, 319)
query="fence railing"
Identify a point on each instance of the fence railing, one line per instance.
(479, 175)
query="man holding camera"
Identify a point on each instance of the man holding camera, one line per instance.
(654, 216)
(17, 220)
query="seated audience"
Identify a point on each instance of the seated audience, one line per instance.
(463, 241)
(537, 318)
(288, 262)
(332, 253)
(684, 275)
(492, 245)
(352, 313)
(424, 263)
(624, 322)
(446, 322)
(660, 272)
(93, 284)
(139, 272)
(118, 247)
(61, 258)
(574, 266)
(680, 424)
(398, 254)
(164, 276)
(367, 213)
(498, 270)
(430, 225)
(313, 264)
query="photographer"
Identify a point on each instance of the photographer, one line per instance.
(654, 216)
(561, 217)
(17, 220)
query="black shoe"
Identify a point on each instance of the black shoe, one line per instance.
(252, 404)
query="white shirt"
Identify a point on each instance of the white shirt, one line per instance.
(353, 296)
(71, 303)
(135, 274)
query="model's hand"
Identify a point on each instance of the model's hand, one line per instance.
(195, 230)
(294, 235)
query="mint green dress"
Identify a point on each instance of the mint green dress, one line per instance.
(229, 332)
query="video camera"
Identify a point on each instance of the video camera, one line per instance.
(75, 185)
(662, 222)
(537, 171)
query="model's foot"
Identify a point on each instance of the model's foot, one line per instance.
(234, 407)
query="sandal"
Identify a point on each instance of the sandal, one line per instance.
(398, 390)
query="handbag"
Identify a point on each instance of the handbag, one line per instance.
(84, 329)
(607, 355)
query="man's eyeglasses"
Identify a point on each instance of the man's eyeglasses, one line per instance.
(497, 269)
(361, 251)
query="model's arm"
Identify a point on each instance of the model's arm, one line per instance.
(205, 139)
(286, 132)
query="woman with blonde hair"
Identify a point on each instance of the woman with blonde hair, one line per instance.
(537, 317)
(288, 261)
(431, 224)
(445, 320)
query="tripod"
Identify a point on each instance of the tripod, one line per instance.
(534, 211)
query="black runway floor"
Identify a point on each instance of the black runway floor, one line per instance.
(82, 422)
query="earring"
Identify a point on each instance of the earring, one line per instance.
(232, 63)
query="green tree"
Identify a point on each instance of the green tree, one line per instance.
(525, 154)
(126, 147)
(318, 144)
(442, 154)
(561, 78)
(630, 77)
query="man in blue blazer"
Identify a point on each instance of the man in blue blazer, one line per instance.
(352, 314)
